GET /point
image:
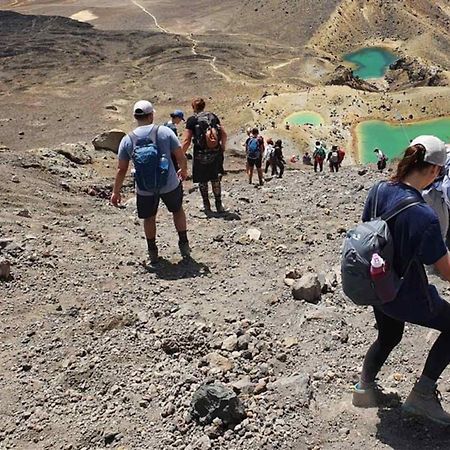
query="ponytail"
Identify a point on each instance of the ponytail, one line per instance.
(412, 160)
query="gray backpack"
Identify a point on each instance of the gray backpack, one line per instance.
(361, 243)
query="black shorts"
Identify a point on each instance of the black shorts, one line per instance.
(147, 205)
(254, 162)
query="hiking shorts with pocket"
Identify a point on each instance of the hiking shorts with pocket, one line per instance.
(147, 205)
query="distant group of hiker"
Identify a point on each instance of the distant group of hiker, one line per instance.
(334, 157)
(383, 259)
(259, 152)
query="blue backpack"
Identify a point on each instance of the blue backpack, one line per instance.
(151, 166)
(253, 148)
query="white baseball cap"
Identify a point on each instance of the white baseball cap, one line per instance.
(435, 152)
(142, 108)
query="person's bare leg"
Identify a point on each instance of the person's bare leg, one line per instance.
(150, 227)
(250, 174)
(260, 176)
(179, 220)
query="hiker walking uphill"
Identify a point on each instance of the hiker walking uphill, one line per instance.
(150, 147)
(416, 240)
(319, 156)
(210, 138)
(333, 159)
(279, 158)
(254, 147)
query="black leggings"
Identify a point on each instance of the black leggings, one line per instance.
(390, 333)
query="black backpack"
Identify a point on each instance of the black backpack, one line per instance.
(207, 131)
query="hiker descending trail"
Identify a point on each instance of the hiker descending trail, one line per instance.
(150, 148)
(417, 241)
(210, 139)
(254, 148)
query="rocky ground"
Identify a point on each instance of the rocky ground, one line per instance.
(98, 351)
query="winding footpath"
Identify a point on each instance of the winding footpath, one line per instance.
(212, 60)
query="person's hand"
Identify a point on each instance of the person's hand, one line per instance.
(182, 174)
(116, 199)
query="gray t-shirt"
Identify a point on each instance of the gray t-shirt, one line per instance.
(167, 142)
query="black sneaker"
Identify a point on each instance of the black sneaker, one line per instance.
(185, 250)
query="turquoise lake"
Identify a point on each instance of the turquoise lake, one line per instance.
(305, 118)
(371, 62)
(393, 139)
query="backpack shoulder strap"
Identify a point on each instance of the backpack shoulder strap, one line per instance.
(401, 206)
(154, 134)
(133, 139)
(375, 199)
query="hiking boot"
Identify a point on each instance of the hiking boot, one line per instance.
(426, 404)
(219, 206)
(368, 397)
(206, 206)
(185, 250)
(153, 255)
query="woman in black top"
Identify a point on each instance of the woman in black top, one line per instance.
(417, 237)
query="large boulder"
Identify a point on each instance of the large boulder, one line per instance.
(76, 153)
(211, 401)
(109, 140)
(308, 288)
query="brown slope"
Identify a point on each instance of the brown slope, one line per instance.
(420, 27)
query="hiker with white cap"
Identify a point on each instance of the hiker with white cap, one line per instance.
(437, 195)
(150, 147)
(417, 241)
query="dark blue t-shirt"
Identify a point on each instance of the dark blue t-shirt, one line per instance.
(415, 232)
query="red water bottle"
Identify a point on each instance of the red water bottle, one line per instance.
(382, 279)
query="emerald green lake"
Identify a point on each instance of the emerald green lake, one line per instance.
(393, 139)
(305, 118)
(371, 62)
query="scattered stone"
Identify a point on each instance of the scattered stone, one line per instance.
(307, 288)
(244, 385)
(254, 234)
(295, 386)
(362, 172)
(5, 269)
(215, 400)
(24, 213)
(230, 343)
(219, 362)
(109, 140)
(290, 341)
(294, 273)
(170, 346)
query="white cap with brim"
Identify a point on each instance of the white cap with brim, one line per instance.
(435, 152)
(142, 108)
